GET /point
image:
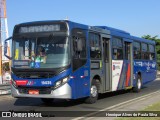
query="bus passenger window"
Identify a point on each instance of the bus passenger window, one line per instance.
(145, 54)
(95, 47)
(117, 54)
(137, 50)
(127, 50)
(117, 48)
(151, 52)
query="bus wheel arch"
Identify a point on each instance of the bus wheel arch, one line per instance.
(138, 85)
(94, 90)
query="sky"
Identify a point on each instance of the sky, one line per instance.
(138, 17)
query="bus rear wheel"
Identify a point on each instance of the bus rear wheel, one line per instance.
(93, 93)
(138, 86)
(47, 100)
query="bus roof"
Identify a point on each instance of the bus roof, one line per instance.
(122, 33)
(142, 40)
(103, 29)
(116, 32)
(53, 21)
(40, 22)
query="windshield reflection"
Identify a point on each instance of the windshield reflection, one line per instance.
(42, 52)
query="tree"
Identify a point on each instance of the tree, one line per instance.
(155, 38)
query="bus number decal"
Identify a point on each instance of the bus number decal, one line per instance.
(46, 82)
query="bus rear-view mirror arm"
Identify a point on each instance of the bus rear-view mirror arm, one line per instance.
(6, 48)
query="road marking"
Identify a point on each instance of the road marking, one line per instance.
(118, 105)
(89, 118)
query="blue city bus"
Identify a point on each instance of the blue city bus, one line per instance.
(67, 60)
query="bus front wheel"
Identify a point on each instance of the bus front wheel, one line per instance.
(138, 86)
(93, 93)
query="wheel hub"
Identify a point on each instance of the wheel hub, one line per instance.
(94, 91)
(139, 84)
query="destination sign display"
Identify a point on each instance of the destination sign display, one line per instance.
(39, 28)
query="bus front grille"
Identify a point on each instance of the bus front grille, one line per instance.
(34, 75)
(42, 90)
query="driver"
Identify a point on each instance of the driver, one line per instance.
(41, 56)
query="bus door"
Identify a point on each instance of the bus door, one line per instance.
(80, 64)
(106, 62)
(128, 64)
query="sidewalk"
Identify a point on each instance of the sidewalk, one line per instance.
(5, 89)
(136, 105)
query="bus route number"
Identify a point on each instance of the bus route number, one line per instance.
(46, 82)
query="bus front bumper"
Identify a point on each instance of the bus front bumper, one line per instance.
(63, 92)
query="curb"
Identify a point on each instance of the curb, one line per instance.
(5, 92)
(5, 89)
(1, 85)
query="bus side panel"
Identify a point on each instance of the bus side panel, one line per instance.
(121, 74)
(150, 73)
(147, 70)
(81, 87)
(125, 77)
(117, 71)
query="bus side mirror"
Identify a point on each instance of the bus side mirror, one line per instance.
(79, 45)
(6, 48)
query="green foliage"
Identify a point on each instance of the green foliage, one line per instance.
(150, 37)
(157, 40)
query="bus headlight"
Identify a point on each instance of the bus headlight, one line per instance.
(58, 83)
(65, 80)
(61, 82)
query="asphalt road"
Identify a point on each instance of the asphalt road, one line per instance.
(106, 100)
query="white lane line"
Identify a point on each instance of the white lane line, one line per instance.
(89, 118)
(117, 105)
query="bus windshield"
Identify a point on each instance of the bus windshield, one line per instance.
(41, 52)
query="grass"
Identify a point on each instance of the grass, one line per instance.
(153, 107)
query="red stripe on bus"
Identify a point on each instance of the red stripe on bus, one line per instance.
(128, 74)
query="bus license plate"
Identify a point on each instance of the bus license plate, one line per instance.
(33, 92)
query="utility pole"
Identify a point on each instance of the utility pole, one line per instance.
(4, 62)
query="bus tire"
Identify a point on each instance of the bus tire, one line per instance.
(93, 93)
(47, 100)
(138, 86)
